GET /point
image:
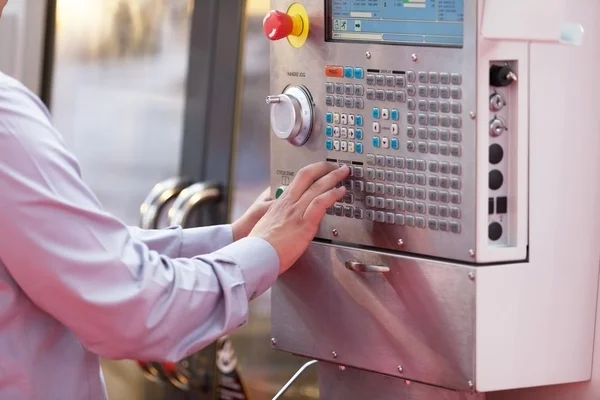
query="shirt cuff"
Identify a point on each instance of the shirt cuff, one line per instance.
(204, 240)
(258, 262)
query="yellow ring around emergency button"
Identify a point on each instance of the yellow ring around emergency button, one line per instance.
(301, 25)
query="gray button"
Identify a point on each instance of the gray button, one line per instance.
(455, 198)
(329, 101)
(370, 201)
(434, 166)
(390, 80)
(456, 79)
(358, 172)
(434, 92)
(390, 95)
(434, 106)
(444, 211)
(358, 213)
(423, 119)
(455, 212)
(370, 187)
(400, 191)
(423, 133)
(444, 226)
(329, 88)
(423, 78)
(390, 218)
(433, 209)
(445, 135)
(370, 94)
(444, 167)
(444, 182)
(379, 216)
(456, 136)
(390, 176)
(434, 120)
(370, 215)
(455, 150)
(444, 197)
(348, 212)
(380, 160)
(359, 90)
(411, 76)
(410, 206)
(456, 122)
(359, 186)
(434, 148)
(445, 92)
(401, 96)
(339, 101)
(454, 227)
(400, 205)
(359, 103)
(456, 93)
(433, 181)
(370, 79)
(434, 134)
(423, 91)
(444, 149)
(380, 189)
(445, 78)
(455, 169)
(423, 105)
(380, 95)
(390, 190)
(433, 224)
(455, 183)
(349, 90)
(411, 146)
(410, 132)
(433, 195)
(400, 219)
(456, 107)
(349, 102)
(410, 192)
(445, 107)
(433, 77)
(411, 164)
(421, 208)
(411, 90)
(421, 222)
(410, 220)
(411, 178)
(400, 162)
(348, 184)
(349, 198)
(338, 210)
(410, 118)
(329, 211)
(400, 81)
(339, 88)
(390, 162)
(422, 146)
(421, 195)
(400, 177)
(379, 202)
(445, 121)
(380, 174)
(380, 79)
(412, 104)
(370, 173)
(421, 165)
(421, 180)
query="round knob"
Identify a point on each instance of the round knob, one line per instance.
(292, 115)
(497, 127)
(496, 102)
(279, 25)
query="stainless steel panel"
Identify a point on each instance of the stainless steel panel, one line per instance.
(419, 316)
(352, 384)
(305, 66)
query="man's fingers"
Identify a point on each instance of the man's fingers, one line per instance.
(306, 177)
(325, 184)
(318, 206)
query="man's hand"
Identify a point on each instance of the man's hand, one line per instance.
(293, 220)
(242, 227)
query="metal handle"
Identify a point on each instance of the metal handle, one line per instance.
(156, 200)
(191, 197)
(357, 266)
(291, 381)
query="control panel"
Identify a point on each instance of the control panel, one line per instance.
(391, 88)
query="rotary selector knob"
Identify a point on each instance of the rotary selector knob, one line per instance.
(292, 115)
(497, 127)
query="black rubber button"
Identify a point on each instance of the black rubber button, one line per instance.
(496, 179)
(496, 154)
(494, 231)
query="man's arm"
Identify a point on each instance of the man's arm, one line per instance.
(85, 268)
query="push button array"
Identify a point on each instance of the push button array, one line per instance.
(344, 132)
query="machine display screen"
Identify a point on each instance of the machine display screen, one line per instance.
(418, 22)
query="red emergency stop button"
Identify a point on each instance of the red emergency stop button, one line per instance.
(279, 25)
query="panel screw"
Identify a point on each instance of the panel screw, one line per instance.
(368, 55)
(472, 252)
(471, 276)
(273, 341)
(414, 57)
(407, 382)
(342, 368)
(472, 115)
(470, 383)
(400, 242)
(400, 369)
(335, 232)
(334, 354)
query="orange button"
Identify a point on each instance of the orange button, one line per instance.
(334, 71)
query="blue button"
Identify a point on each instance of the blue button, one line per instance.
(359, 73)
(359, 134)
(329, 144)
(329, 131)
(358, 148)
(359, 120)
(329, 118)
(395, 115)
(376, 141)
(376, 113)
(395, 144)
(349, 72)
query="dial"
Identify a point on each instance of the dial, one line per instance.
(292, 114)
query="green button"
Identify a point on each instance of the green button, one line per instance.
(279, 191)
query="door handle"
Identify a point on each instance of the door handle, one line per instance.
(190, 198)
(158, 197)
(357, 266)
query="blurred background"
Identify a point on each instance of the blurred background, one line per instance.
(118, 95)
